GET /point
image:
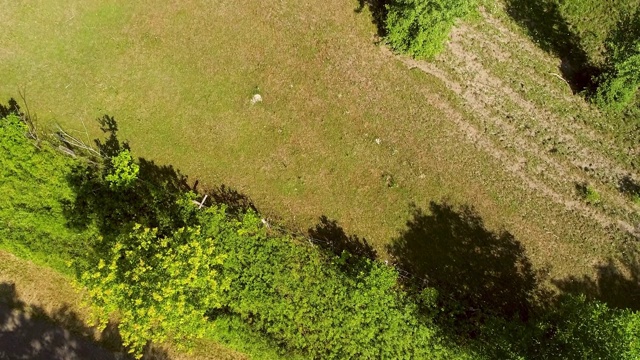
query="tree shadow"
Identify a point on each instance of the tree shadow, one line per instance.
(617, 283)
(547, 27)
(12, 108)
(152, 201)
(628, 186)
(155, 200)
(235, 201)
(111, 146)
(30, 332)
(378, 9)
(330, 236)
(477, 273)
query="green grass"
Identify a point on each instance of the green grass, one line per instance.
(593, 21)
(179, 79)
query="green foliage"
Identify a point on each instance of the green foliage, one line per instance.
(160, 287)
(420, 27)
(572, 328)
(123, 171)
(619, 86)
(158, 201)
(592, 196)
(307, 304)
(34, 188)
(235, 332)
(582, 329)
(620, 82)
(629, 324)
(588, 193)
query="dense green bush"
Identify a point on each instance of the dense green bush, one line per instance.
(619, 86)
(420, 27)
(569, 328)
(159, 287)
(34, 188)
(123, 172)
(304, 301)
(620, 82)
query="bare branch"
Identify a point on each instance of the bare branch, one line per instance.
(72, 141)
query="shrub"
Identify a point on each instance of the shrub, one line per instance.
(619, 84)
(420, 27)
(576, 328)
(123, 171)
(302, 299)
(34, 188)
(570, 328)
(588, 193)
(160, 287)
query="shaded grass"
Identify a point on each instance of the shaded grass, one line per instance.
(579, 32)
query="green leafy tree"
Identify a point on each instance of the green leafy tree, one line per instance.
(421, 27)
(34, 190)
(158, 287)
(619, 84)
(305, 301)
(123, 171)
(570, 328)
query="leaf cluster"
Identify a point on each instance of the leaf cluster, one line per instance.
(160, 287)
(619, 84)
(34, 188)
(420, 27)
(301, 298)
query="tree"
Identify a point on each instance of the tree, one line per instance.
(420, 27)
(620, 82)
(159, 287)
(123, 171)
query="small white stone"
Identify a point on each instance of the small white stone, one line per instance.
(256, 99)
(378, 141)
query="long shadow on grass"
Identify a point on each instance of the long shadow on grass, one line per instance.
(155, 200)
(378, 9)
(478, 273)
(29, 332)
(617, 282)
(547, 27)
(330, 236)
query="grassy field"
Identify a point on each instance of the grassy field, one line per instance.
(346, 129)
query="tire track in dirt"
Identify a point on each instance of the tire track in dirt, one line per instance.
(514, 166)
(561, 128)
(485, 94)
(482, 92)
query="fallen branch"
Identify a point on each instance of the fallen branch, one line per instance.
(561, 78)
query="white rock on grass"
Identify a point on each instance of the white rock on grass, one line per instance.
(256, 99)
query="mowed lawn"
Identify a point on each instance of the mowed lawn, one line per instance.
(344, 130)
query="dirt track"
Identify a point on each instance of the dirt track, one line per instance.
(549, 153)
